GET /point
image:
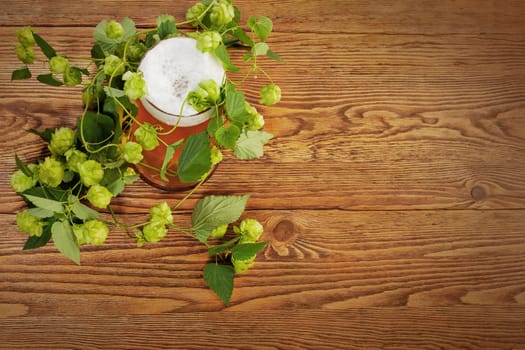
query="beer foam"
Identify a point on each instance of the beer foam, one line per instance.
(173, 68)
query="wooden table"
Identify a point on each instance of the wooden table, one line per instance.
(393, 195)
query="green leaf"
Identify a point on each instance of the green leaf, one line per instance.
(96, 128)
(214, 211)
(166, 26)
(222, 247)
(215, 123)
(170, 150)
(82, 70)
(44, 135)
(274, 56)
(194, 160)
(250, 144)
(262, 27)
(246, 251)
(112, 92)
(49, 204)
(82, 211)
(220, 279)
(65, 240)
(48, 192)
(240, 34)
(22, 73)
(37, 242)
(116, 187)
(40, 212)
(236, 105)
(129, 28)
(23, 167)
(227, 136)
(44, 46)
(49, 79)
(260, 49)
(222, 54)
(97, 52)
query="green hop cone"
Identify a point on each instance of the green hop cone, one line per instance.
(146, 135)
(72, 76)
(198, 99)
(215, 155)
(25, 36)
(270, 94)
(222, 13)
(113, 66)
(58, 64)
(74, 158)
(134, 85)
(91, 172)
(132, 152)
(61, 141)
(26, 54)
(208, 41)
(194, 13)
(219, 232)
(250, 230)
(256, 120)
(136, 51)
(20, 182)
(161, 213)
(154, 231)
(114, 30)
(51, 172)
(212, 88)
(29, 224)
(91, 232)
(99, 196)
(242, 266)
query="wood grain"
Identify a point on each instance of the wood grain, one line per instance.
(392, 196)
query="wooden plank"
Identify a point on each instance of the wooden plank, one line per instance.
(334, 16)
(316, 259)
(403, 328)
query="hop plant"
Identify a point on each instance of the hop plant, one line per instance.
(146, 135)
(132, 152)
(154, 231)
(242, 266)
(250, 230)
(161, 213)
(256, 120)
(20, 182)
(194, 13)
(25, 36)
(61, 141)
(26, 54)
(99, 196)
(74, 158)
(72, 76)
(113, 66)
(51, 172)
(134, 85)
(91, 172)
(270, 94)
(208, 41)
(114, 30)
(93, 232)
(215, 155)
(219, 231)
(58, 64)
(29, 224)
(222, 13)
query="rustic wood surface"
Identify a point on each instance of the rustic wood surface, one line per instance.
(393, 195)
